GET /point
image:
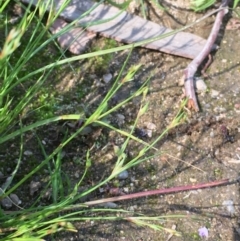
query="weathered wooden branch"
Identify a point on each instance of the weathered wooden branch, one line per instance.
(124, 27)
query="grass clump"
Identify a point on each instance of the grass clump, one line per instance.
(38, 219)
(101, 63)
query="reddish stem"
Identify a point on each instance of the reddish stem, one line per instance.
(161, 191)
(194, 65)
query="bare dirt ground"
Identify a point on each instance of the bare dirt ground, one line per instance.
(195, 152)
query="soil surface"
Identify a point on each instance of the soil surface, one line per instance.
(205, 148)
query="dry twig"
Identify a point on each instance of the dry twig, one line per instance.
(161, 191)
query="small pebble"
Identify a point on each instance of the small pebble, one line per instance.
(229, 206)
(6, 202)
(76, 174)
(153, 177)
(34, 187)
(107, 78)
(181, 81)
(15, 199)
(110, 205)
(207, 106)
(126, 189)
(193, 180)
(28, 153)
(101, 190)
(150, 126)
(211, 134)
(216, 152)
(214, 93)
(120, 119)
(123, 175)
(7, 182)
(200, 85)
(131, 209)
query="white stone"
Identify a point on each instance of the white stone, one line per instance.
(110, 205)
(150, 126)
(200, 85)
(107, 78)
(28, 153)
(15, 199)
(214, 93)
